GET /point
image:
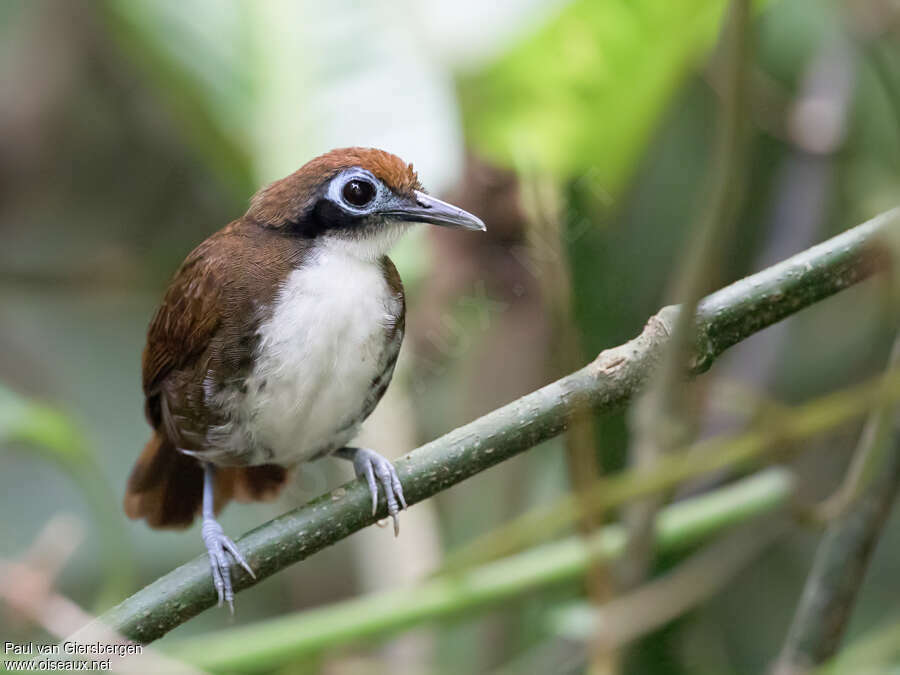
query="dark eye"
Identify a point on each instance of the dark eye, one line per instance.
(358, 192)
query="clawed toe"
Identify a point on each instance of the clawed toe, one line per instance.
(376, 469)
(219, 547)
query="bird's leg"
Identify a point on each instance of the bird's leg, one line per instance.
(370, 465)
(217, 543)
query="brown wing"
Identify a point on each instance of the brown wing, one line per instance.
(187, 319)
(203, 334)
(189, 334)
(165, 485)
(197, 330)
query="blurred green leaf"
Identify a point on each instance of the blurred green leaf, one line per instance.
(40, 426)
(586, 91)
(56, 436)
(194, 54)
(877, 651)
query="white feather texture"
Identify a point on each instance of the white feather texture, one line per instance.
(317, 358)
(319, 354)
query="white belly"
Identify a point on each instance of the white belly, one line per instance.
(317, 358)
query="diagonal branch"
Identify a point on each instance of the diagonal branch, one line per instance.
(609, 382)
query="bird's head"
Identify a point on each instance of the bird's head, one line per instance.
(361, 198)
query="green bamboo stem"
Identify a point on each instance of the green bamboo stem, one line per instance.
(270, 643)
(609, 382)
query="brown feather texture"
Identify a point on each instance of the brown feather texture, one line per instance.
(285, 200)
(208, 314)
(203, 338)
(166, 486)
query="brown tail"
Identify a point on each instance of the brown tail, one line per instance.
(166, 486)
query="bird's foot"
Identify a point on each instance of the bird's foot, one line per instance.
(370, 465)
(217, 544)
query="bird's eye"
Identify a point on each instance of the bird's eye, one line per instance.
(358, 192)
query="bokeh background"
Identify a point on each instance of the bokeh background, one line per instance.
(580, 131)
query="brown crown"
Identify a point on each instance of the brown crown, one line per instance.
(287, 199)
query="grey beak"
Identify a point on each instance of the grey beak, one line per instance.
(428, 209)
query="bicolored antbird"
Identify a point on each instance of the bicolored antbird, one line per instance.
(276, 338)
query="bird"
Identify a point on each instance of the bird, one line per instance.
(275, 339)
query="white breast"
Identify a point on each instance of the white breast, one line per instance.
(317, 357)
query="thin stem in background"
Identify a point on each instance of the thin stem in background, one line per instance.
(662, 420)
(546, 232)
(844, 553)
(665, 598)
